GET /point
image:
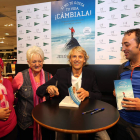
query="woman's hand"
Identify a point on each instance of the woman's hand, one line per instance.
(4, 113)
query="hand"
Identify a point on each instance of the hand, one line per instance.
(131, 104)
(114, 93)
(4, 113)
(82, 94)
(52, 90)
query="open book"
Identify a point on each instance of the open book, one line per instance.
(68, 102)
(123, 88)
(72, 100)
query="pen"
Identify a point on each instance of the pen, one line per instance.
(89, 111)
(55, 86)
(56, 83)
(97, 111)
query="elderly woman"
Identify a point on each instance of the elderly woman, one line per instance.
(26, 82)
(8, 119)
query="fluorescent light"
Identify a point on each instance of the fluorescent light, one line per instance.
(6, 33)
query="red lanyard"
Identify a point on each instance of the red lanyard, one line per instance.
(132, 72)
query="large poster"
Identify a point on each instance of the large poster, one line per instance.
(96, 25)
(73, 24)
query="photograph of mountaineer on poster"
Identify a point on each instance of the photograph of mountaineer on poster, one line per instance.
(72, 32)
(72, 24)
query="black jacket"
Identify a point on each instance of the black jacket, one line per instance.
(63, 76)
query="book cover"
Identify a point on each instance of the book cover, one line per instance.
(73, 95)
(123, 88)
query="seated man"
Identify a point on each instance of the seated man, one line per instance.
(67, 77)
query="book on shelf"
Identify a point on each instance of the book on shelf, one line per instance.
(123, 88)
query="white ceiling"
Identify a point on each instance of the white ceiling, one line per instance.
(8, 16)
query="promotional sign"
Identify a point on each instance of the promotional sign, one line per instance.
(34, 29)
(73, 24)
(96, 25)
(113, 18)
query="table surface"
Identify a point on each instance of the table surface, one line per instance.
(70, 120)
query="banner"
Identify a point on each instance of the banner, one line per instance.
(34, 29)
(73, 24)
(96, 25)
(113, 18)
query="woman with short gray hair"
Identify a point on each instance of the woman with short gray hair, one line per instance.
(26, 83)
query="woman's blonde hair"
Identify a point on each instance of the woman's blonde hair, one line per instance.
(79, 49)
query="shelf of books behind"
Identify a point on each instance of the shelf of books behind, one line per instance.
(9, 59)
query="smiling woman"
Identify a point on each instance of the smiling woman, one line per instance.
(27, 82)
(35, 57)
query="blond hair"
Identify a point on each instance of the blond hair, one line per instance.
(78, 49)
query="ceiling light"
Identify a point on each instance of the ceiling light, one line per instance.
(6, 33)
(1, 42)
(2, 38)
(8, 25)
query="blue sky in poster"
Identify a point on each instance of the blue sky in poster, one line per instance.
(84, 16)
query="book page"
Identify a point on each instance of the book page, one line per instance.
(68, 102)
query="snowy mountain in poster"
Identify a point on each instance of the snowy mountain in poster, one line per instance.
(77, 14)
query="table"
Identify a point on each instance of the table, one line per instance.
(70, 120)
